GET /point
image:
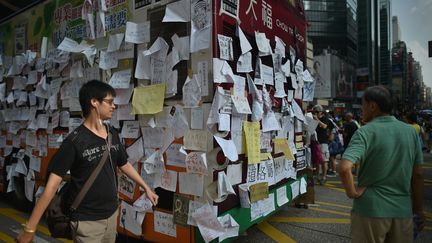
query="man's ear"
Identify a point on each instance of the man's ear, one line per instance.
(94, 102)
(373, 106)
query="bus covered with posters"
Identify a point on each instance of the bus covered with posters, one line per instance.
(208, 106)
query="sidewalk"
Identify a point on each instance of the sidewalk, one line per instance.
(328, 220)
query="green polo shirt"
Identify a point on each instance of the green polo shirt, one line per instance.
(387, 150)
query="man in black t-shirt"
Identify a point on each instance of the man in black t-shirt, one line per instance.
(349, 128)
(323, 131)
(95, 219)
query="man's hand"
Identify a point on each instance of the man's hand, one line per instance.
(24, 237)
(357, 193)
(152, 196)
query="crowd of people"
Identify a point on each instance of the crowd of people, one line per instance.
(334, 132)
(385, 154)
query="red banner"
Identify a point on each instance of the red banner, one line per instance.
(284, 19)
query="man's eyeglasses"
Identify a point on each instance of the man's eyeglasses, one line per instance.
(108, 101)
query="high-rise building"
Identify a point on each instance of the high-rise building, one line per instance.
(385, 41)
(396, 31)
(333, 25)
(374, 42)
(400, 74)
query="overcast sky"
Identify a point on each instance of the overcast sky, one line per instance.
(415, 19)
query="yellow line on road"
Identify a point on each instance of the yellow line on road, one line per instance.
(13, 214)
(309, 220)
(334, 204)
(330, 211)
(334, 182)
(6, 238)
(274, 233)
(334, 188)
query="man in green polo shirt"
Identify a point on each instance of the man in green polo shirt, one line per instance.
(390, 180)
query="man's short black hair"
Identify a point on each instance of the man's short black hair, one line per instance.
(381, 96)
(411, 117)
(93, 89)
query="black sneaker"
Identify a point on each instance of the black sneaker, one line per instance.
(331, 173)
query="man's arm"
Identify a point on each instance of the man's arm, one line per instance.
(351, 190)
(130, 171)
(50, 190)
(417, 184)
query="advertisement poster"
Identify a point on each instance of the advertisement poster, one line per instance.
(322, 75)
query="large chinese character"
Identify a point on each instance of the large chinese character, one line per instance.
(267, 15)
(252, 173)
(251, 3)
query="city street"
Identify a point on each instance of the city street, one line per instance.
(325, 221)
(329, 219)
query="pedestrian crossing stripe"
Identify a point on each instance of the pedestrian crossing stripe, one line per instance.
(14, 214)
(330, 211)
(6, 238)
(274, 233)
(334, 205)
(309, 220)
(333, 187)
(334, 182)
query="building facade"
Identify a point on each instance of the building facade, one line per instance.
(400, 74)
(374, 43)
(333, 25)
(385, 37)
(396, 31)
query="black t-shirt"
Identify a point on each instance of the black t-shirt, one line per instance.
(80, 153)
(349, 128)
(323, 133)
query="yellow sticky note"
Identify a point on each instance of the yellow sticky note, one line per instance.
(266, 156)
(281, 145)
(258, 191)
(148, 99)
(253, 141)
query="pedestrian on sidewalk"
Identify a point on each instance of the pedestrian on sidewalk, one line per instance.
(323, 132)
(390, 180)
(95, 219)
(411, 118)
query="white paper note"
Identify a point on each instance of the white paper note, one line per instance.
(230, 225)
(295, 189)
(178, 12)
(137, 32)
(174, 156)
(234, 173)
(209, 226)
(114, 42)
(135, 151)
(192, 184)
(164, 223)
(225, 47)
(303, 185)
(130, 219)
(121, 79)
(168, 180)
(130, 129)
(228, 147)
(281, 196)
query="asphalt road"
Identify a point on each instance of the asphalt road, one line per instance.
(328, 220)
(325, 221)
